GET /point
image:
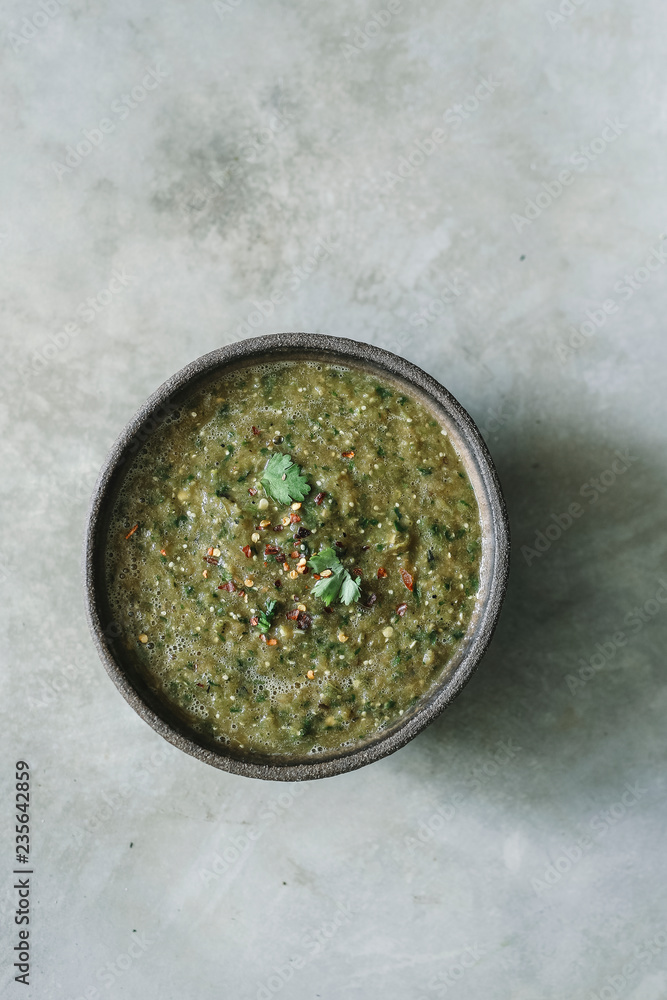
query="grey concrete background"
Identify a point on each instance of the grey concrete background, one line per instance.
(515, 850)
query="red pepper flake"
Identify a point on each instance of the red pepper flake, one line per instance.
(407, 579)
(347, 454)
(381, 573)
(365, 548)
(302, 532)
(230, 586)
(277, 527)
(316, 576)
(277, 584)
(294, 554)
(247, 551)
(256, 430)
(320, 498)
(132, 531)
(254, 620)
(163, 552)
(252, 491)
(401, 609)
(271, 642)
(273, 550)
(293, 614)
(294, 518)
(209, 552)
(356, 571)
(213, 560)
(372, 598)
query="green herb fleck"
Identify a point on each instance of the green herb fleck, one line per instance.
(266, 617)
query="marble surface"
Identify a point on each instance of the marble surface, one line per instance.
(479, 187)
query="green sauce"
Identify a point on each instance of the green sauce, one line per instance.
(209, 576)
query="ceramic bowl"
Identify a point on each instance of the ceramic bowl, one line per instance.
(467, 440)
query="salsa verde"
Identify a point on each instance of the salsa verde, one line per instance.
(294, 557)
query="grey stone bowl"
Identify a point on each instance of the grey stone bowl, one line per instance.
(493, 574)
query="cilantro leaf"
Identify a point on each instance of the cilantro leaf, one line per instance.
(265, 617)
(350, 590)
(339, 584)
(325, 559)
(283, 480)
(328, 587)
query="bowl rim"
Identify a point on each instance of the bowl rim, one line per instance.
(156, 407)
